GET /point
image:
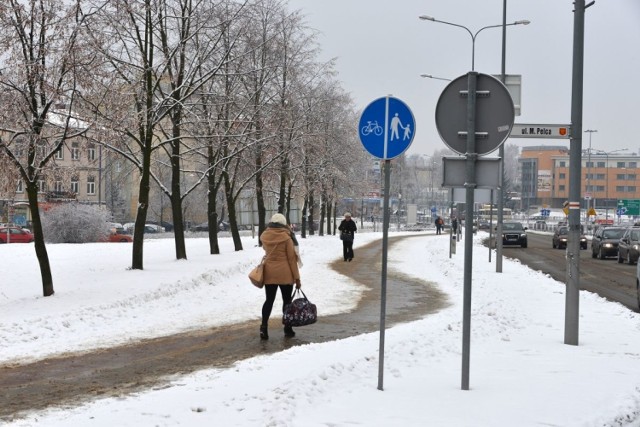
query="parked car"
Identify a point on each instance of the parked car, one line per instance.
(166, 226)
(118, 234)
(13, 234)
(629, 246)
(153, 228)
(514, 233)
(605, 242)
(201, 227)
(561, 237)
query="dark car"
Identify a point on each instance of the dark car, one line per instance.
(484, 225)
(605, 242)
(561, 237)
(629, 246)
(201, 227)
(514, 233)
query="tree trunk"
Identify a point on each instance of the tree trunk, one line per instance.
(231, 207)
(262, 210)
(176, 196)
(137, 261)
(38, 235)
(304, 218)
(212, 214)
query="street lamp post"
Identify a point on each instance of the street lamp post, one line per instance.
(606, 171)
(473, 35)
(429, 76)
(470, 172)
(590, 131)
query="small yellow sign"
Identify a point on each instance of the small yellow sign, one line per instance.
(591, 212)
(566, 211)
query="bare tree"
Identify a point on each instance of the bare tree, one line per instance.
(39, 80)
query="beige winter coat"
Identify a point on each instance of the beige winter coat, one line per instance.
(281, 266)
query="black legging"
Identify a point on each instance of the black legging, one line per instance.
(347, 249)
(270, 292)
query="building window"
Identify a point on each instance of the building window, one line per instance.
(75, 151)
(91, 152)
(600, 188)
(589, 187)
(59, 153)
(20, 187)
(590, 164)
(601, 165)
(42, 186)
(74, 185)
(633, 165)
(620, 165)
(562, 175)
(631, 189)
(563, 164)
(621, 177)
(631, 177)
(91, 185)
(561, 187)
(600, 176)
(57, 186)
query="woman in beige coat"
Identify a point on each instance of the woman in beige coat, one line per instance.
(280, 269)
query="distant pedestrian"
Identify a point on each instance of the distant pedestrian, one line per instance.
(439, 225)
(347, 231)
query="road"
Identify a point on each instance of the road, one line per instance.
(609, 279)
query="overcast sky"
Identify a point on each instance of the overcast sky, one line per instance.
(382, 48)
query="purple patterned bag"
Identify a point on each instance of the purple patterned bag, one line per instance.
(300, 312)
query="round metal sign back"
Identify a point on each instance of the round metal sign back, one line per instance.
(495, 114)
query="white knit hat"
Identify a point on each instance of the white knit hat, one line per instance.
(347, 214)
(279, 219)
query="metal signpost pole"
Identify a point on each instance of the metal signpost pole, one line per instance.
(468, 225)
(383, 283)
(572, 300)
(501, 149)
(378, 140)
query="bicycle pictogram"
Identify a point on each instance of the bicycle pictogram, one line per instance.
(372, 127)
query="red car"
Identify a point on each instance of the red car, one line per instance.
(119, 235)
(15, 235)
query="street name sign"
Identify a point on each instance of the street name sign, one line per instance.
(522, 130)
(386, 128)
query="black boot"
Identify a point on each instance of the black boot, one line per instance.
(264, 335)
(288, 332)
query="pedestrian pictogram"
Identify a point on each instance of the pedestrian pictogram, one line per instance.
(386, 128)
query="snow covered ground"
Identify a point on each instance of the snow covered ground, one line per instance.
(521, 372)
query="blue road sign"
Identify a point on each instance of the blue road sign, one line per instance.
(386, 128)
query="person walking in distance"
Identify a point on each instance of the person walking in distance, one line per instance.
(439, 225)
(347, 232)
(280, 269)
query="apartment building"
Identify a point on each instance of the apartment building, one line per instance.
(606, 177)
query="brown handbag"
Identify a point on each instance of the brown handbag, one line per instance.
(256, 276)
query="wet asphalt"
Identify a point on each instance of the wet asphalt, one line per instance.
(149, 363)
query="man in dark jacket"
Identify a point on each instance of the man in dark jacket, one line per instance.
(347, 231)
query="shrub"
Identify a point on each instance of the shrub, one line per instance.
(75, 223)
